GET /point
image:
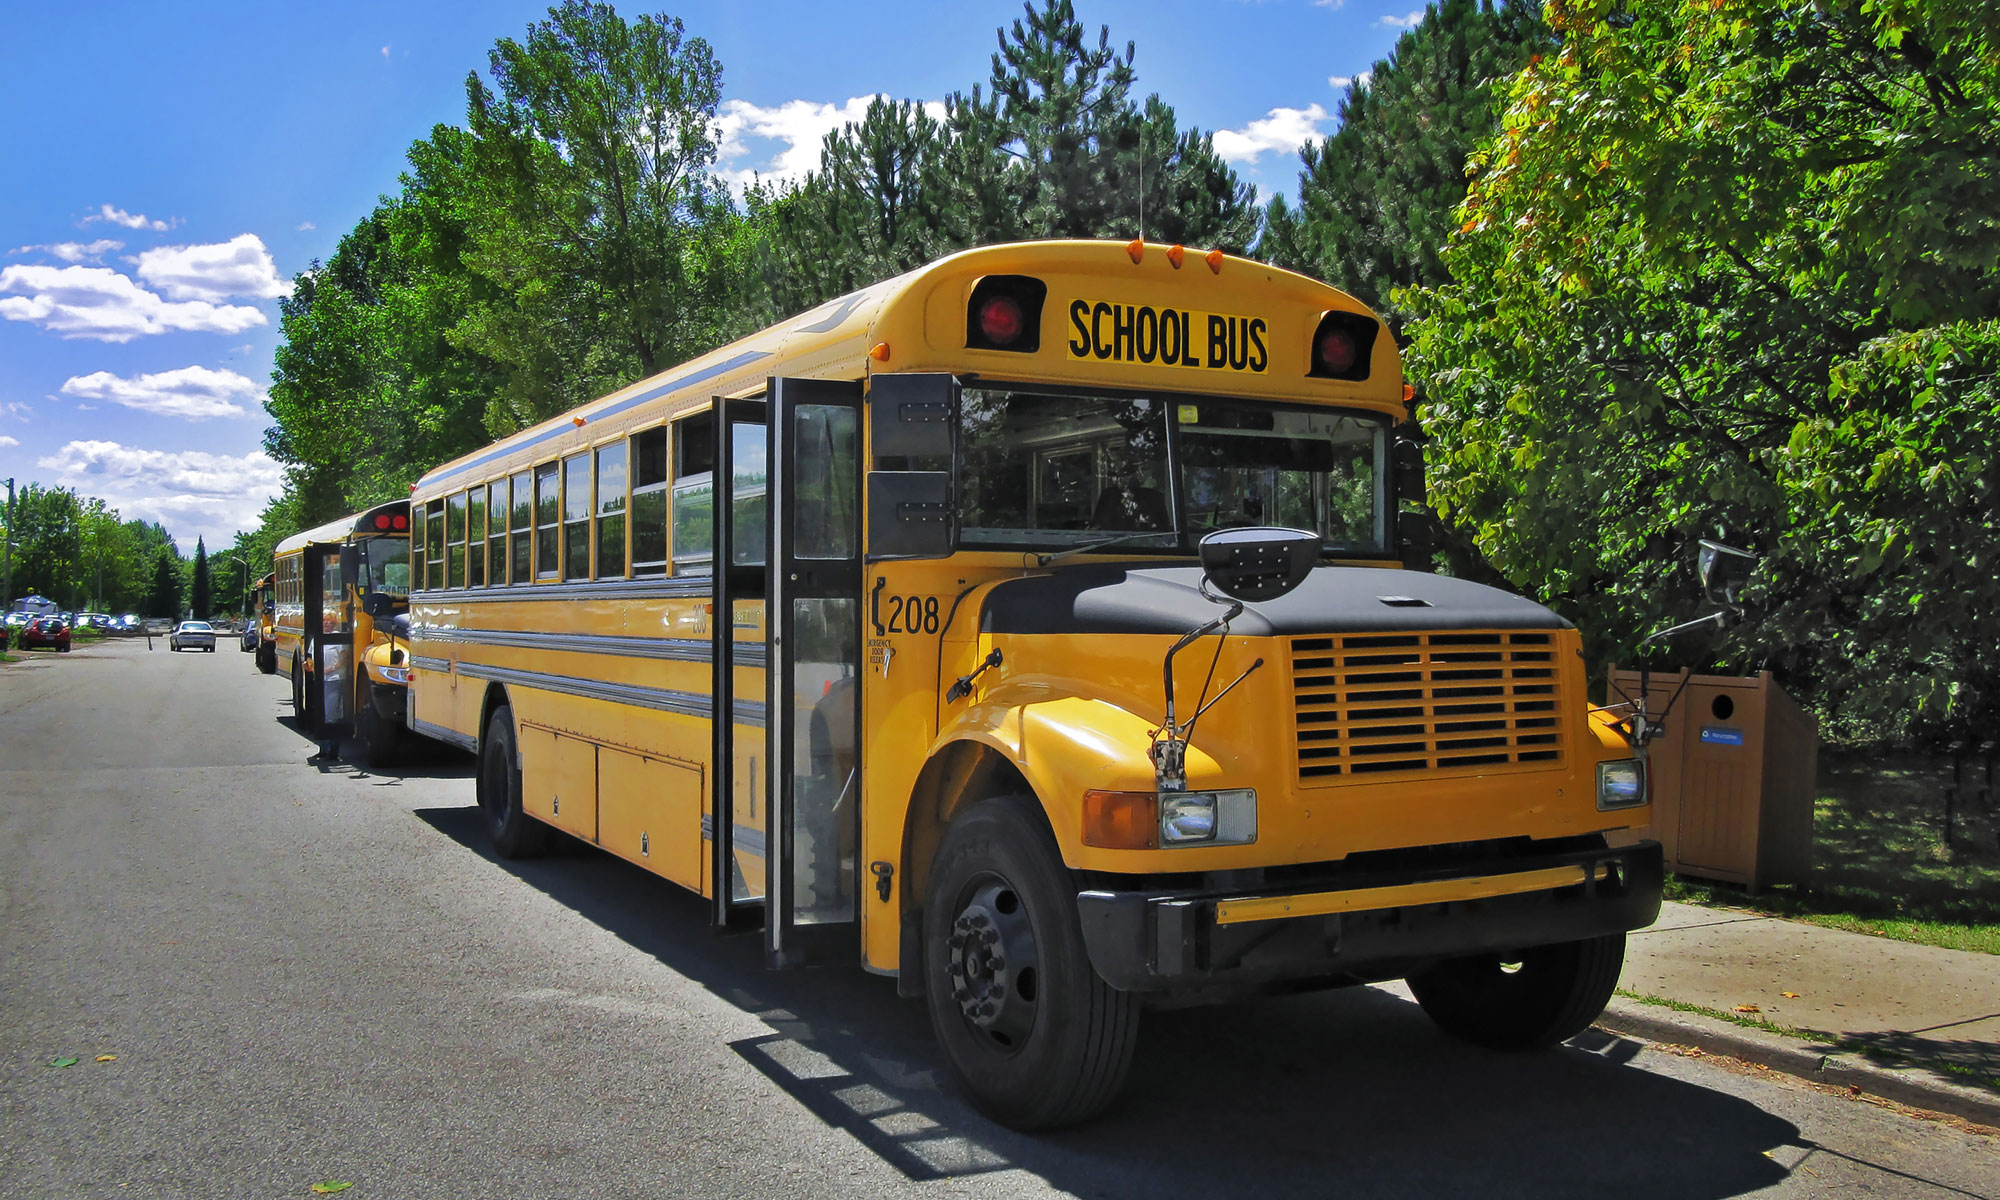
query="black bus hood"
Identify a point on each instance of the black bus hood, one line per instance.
(1123, 598)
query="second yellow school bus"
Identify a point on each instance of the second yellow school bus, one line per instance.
(1029, 628)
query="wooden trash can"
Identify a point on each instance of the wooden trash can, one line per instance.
(1733, 775)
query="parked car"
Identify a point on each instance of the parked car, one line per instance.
(249, 636)
(192, 635)
(46, 631)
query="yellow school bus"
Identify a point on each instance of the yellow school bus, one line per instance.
(1029, 628)
(341, 593)
(260, 609)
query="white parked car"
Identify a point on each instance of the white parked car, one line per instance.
(192, 635)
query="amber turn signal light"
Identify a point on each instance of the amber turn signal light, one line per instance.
(1121, 820)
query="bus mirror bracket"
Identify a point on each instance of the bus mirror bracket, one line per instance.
(911, 514)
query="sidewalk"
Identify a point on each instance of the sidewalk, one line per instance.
(1916, 1024)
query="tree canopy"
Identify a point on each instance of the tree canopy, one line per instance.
(1730, 269)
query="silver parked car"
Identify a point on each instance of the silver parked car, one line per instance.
(192, 635)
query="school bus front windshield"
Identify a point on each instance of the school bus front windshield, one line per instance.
(385, 565)
(1042, 469)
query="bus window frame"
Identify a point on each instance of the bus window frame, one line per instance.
(566, 525)
(597, 452)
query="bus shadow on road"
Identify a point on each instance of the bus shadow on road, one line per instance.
(1349, 1091)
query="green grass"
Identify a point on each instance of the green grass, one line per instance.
(1888, 1055)
(1734, 1018)
(1881, 865)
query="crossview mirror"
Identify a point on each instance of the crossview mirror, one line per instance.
(1724, 570)
(378, 605)
(1258, 563)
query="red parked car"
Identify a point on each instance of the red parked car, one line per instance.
(46, 631)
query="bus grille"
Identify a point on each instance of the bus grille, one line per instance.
(1381, 704)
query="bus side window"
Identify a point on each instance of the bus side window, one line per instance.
(576, 516)
(475, 538)
(610, 511)
(694, 493)
(649, 502)
(434, 545)
(520, 552)
(496, 532)
(454, 539)
(548, 514)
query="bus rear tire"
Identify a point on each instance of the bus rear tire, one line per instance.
(267, 659)
(1032, 1034)
(1526, 1000)
(514, 833)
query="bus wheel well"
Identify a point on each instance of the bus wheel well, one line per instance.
(959, 776)
(496, 697)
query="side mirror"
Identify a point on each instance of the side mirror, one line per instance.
(378, 605)
(1723, 570)
(1258, 563)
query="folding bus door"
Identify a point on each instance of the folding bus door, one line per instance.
(808, 799)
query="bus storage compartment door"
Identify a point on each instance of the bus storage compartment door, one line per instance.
(910, 514)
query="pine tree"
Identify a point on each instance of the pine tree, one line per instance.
(1377, 200)
(163, 599)
(198, 599)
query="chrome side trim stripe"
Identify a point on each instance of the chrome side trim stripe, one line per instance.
(750, 654)
(692, 704)
(449, 736)
(421, 663)
(680, 587)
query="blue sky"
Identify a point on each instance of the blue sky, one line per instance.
(170, 167)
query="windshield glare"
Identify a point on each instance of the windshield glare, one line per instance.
(1064, 470)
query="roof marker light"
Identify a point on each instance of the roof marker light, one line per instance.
(576, 421)
(1175, 253)
(1214, 260)
(879, 352)
(1137, 249)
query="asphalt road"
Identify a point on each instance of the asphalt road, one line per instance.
(313, 975)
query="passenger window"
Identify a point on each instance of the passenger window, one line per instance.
(611, 512)
(649, 502)
(576, 516)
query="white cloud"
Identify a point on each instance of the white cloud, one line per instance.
(306, 227)
(1342, 81)
(385, 53)
(1329, 3)
(1410, 22)
(240, 266)
(196, 393)
(9, 441)
(1283, 129)
(99, 303)
(193, 493)
(799, 126)
(73, 252)
(118, 216)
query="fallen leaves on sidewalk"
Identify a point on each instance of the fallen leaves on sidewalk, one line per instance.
(1748, 1008)
(64, 1062)
(331, 1186)
(1789, 995)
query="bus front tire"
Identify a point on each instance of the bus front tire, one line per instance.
(381, 738)
(267, 659)
(1030, 1031)
(1526, 1000)
(514, 833)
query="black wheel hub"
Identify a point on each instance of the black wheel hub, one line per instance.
(995, 964)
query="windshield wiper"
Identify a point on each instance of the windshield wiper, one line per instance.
(1043, 560)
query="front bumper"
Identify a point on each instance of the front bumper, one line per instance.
(1364, 928)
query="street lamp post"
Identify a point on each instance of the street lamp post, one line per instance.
(7, 549)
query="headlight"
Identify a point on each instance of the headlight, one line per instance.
(1151, 820)
(395, 674)
(1621, 784)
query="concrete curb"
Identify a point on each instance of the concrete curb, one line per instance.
(1817, 1063)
